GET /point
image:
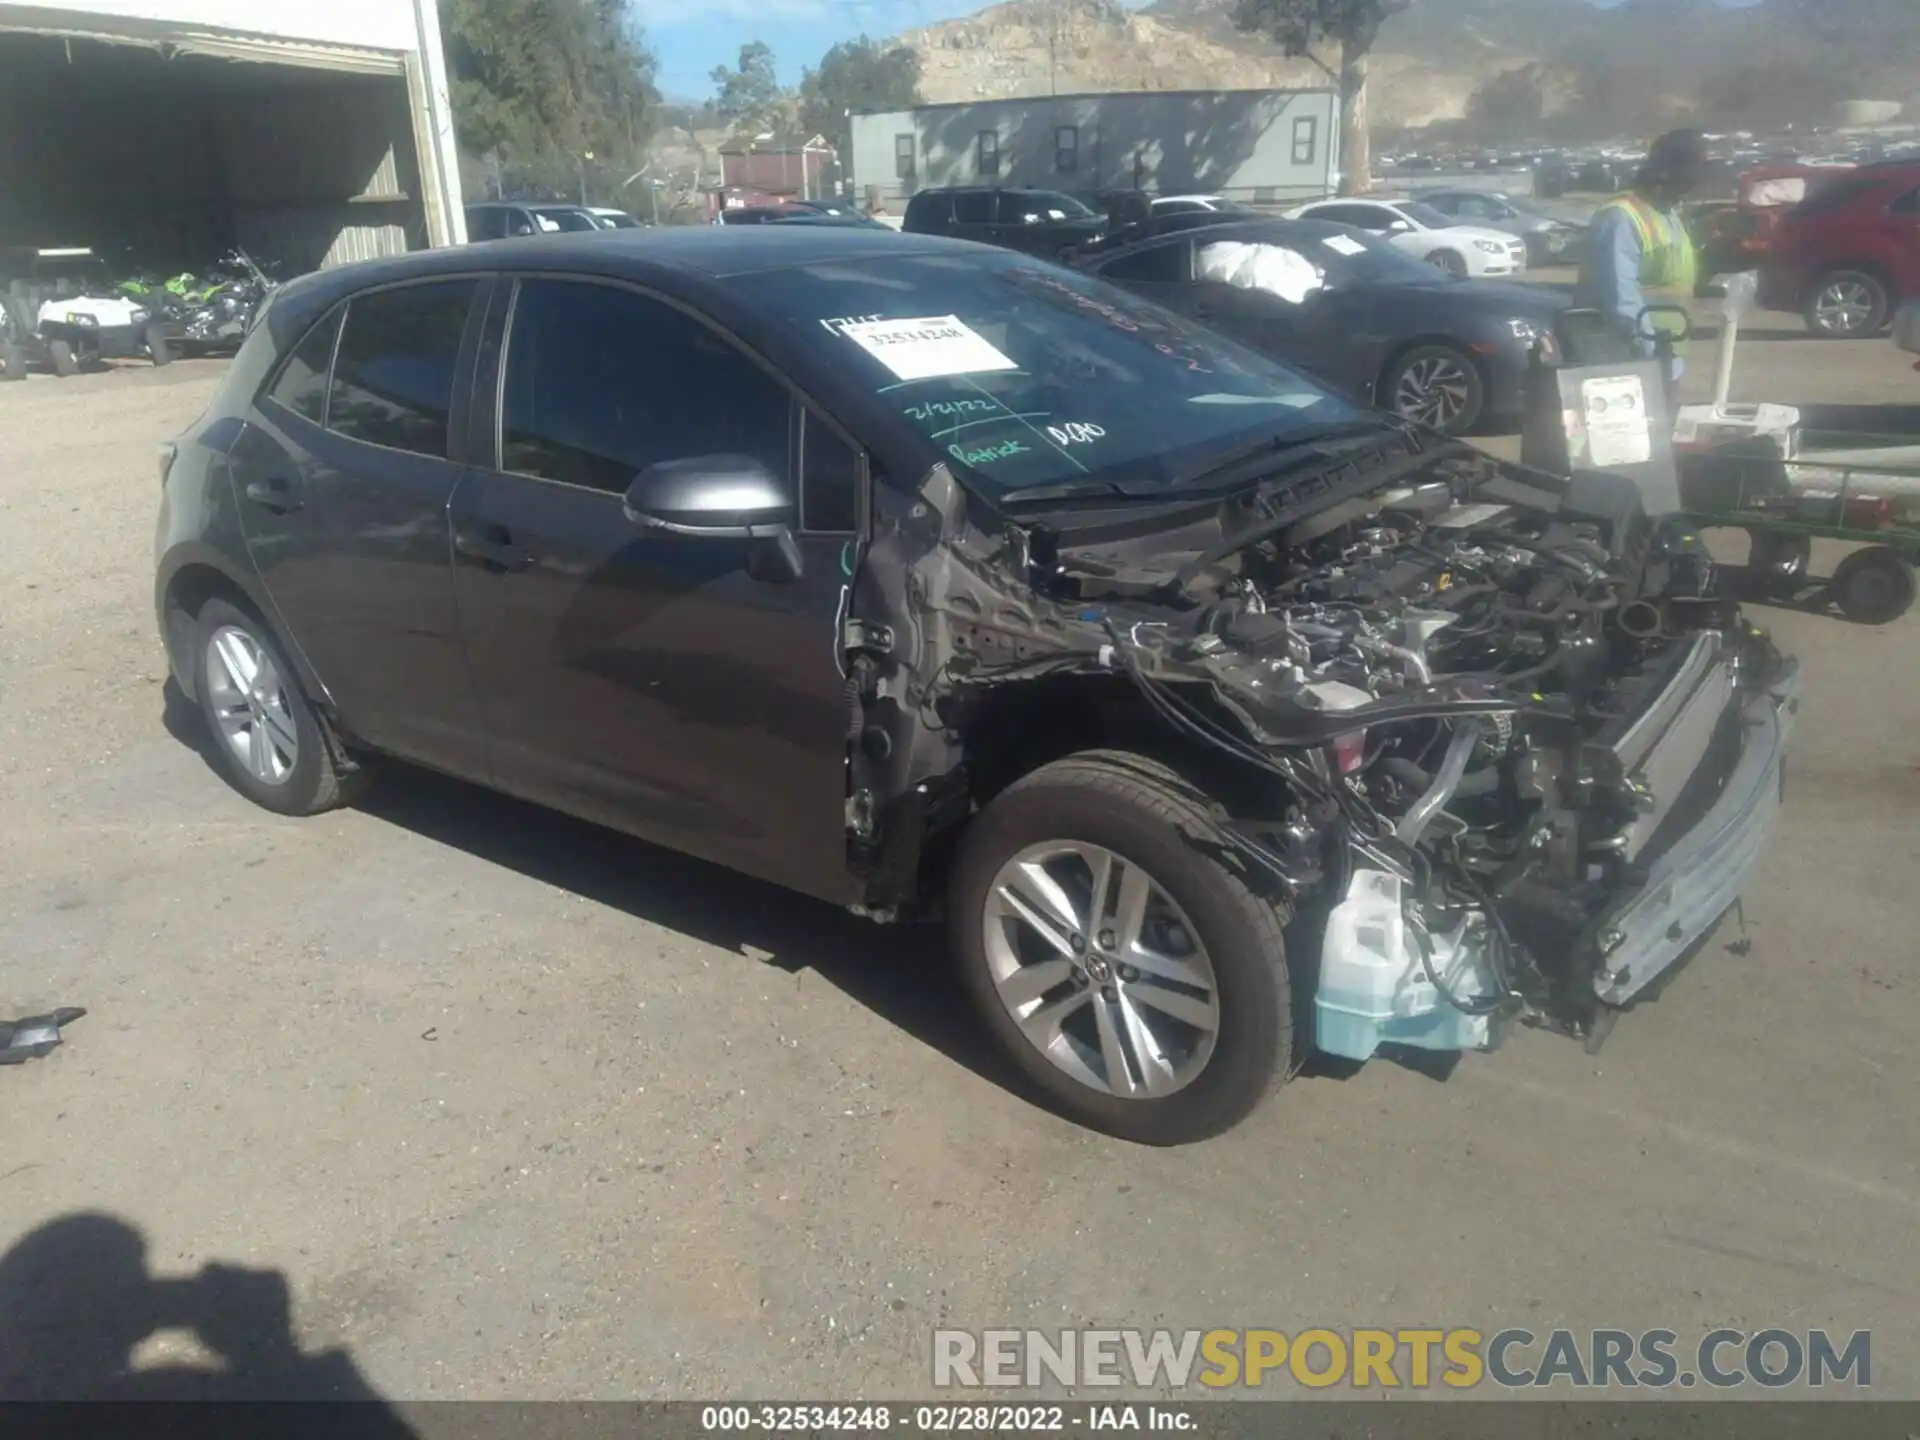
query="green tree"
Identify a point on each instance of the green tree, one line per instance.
(749, 94)
(540, 85)
(1298, 26)
(860, 74)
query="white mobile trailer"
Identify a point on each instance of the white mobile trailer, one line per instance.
(173, 130)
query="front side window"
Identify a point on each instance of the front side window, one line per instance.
(603, 382)
(829, 479)
(1156, 265)
(394, 371)
(989, 153)
(1019, 374)
(302, 386)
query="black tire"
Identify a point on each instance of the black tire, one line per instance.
(1874, 586)
(1147, 814)
(1452, 262)
(1778, 561)
(13, 362)
(1848, 305)
(65, 363)
(314, 782)
(157, 348)
(1453, 371)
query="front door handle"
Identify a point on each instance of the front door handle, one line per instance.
(276, 495)
(492, 548)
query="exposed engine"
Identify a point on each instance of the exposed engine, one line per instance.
(1463, 724)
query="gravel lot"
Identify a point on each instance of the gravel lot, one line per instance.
(520, 1108)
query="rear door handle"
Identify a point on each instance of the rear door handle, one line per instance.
(277, 495)
(492, 547)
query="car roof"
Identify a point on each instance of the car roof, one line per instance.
(690, 260)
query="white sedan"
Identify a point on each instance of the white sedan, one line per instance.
(1426, 234)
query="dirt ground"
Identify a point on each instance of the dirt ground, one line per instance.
(514, 1107)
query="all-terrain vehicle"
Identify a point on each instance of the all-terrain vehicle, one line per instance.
(64, 312)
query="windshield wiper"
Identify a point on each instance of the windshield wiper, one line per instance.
(1252, 461)
(1065, 490)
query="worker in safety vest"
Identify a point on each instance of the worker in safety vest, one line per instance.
(1638, 250)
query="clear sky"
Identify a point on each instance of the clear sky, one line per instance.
(693, 36)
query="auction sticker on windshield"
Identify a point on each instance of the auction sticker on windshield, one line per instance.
(1343, 245)
(926, 348)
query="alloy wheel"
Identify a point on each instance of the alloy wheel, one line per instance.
(1844, 307)
(1434, 390)
(250, 705)
(1101, 970)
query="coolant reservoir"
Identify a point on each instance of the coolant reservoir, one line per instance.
(1374, 989)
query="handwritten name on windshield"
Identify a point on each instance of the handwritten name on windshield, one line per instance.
(987, 454)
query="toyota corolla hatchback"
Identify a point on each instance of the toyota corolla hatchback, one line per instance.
(1221, 719)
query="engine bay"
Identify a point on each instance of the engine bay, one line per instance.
(1453, 693)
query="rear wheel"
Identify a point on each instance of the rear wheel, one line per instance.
(1131, 974)
(1848, 305)
(13, 361)
(1437, 386)
(1874, 586)
(65, 362)
(265, 733)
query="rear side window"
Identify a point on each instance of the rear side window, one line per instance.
(302, 386)
(973, 207)
(1161, 265)
(393, 372)
(603, 382)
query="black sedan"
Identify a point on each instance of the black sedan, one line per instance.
(1353, 311)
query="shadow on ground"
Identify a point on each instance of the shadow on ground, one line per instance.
(77, 1302)
(899, 972)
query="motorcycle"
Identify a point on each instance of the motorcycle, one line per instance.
(207, 315)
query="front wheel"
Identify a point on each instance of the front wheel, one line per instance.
(1451, 262)
(13, 361)
(65, 363)
(157, 348)
(1848, 305)
(1129, 971)
(264, 731)
(1436, 386)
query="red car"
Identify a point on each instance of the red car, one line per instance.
(1848, 255)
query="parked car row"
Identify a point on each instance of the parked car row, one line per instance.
(1221, 718)
(504, 219)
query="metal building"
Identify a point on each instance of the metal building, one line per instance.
(311, 134)
(1258, 146)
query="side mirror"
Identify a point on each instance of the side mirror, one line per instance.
(712, 497)
(1399, 227)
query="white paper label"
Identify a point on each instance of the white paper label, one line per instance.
(925, 348)
(1618, 432)
(1344, 245)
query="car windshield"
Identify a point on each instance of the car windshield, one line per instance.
(1425, 215)
(567, 219)
(1024, 376)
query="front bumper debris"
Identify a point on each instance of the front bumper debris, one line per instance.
(1706, 870)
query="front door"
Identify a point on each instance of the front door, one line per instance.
(644, 680)
(342, 478)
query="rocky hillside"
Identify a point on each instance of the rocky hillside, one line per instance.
(1430, 60)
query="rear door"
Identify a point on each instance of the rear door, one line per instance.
(973, 216)
(343, 477)
(645, 680)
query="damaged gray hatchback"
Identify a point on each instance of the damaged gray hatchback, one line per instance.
(1222, 720)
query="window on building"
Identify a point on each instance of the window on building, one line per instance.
(1066, 149)
(988, 148)
(393, 371)
(1306, 139)
(602, 382)
(302, 385)
(903, 157)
